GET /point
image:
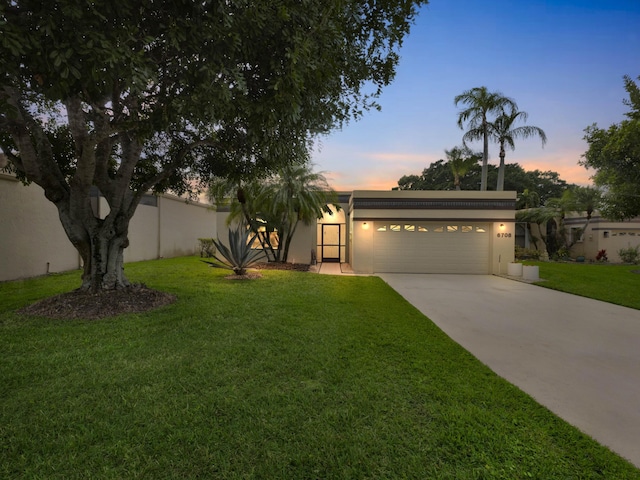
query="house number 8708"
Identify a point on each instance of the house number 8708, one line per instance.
(504, 235)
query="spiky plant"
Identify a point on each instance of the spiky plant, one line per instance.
(239, 255)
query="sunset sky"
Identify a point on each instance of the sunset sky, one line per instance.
(562, 61)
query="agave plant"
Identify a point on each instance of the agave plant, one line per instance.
(239, 255)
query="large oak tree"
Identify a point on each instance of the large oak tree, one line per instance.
(137, 95)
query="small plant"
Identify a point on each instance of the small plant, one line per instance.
(207, 247)
(630, 255)
(239, 255)
(602, 256)
(561, 254)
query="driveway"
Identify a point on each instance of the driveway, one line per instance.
(578, 357)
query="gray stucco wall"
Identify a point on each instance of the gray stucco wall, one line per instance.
(33, 242)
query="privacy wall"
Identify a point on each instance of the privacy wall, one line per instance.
(33, 242)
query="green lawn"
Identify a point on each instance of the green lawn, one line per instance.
(610, 283)
(292, 376)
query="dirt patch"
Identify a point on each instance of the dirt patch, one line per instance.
(298, 267)
(93, 306)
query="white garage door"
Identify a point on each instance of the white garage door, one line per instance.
(430, 247)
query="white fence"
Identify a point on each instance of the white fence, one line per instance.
(33, 242)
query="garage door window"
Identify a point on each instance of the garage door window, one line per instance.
(422, 229)
(394, 228)
(467, 229)
(480, 230)
(410, 228)
(452, 228)
(383, 228)
(439, 229)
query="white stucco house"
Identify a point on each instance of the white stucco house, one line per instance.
(465, 232)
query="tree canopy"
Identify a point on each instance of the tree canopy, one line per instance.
(504, 131)
(138, 95)
(438, 176)
(614, 154)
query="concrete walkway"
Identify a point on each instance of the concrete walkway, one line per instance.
(578, 357)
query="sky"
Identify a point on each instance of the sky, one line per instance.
(562, 62)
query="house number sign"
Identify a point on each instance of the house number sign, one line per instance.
(504, 235)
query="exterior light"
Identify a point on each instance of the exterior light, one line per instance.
(365, 226)
(502, 226)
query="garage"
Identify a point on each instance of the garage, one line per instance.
(431, 247)
(456, 232)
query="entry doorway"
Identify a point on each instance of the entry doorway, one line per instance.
(330, 242)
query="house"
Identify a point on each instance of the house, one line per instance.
(467, 232)
(601, 234)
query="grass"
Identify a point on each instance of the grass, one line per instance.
(294, 375)
(609, 283)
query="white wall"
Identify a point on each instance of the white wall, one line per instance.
(33, 242)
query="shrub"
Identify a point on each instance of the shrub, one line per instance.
(527, 253)
(602, 256)
(561, 254)
(630, 255)
(207, 247)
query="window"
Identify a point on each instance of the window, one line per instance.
(382, 228)
(438, 229)
(394, 228)
(410, 228)
(605, 234)
(576, 235)
(480, 230)
(452, 228)
(422, 229)
(467, 229)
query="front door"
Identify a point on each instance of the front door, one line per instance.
(330, 243)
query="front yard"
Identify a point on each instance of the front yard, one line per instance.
(294, 375)
(617, 284)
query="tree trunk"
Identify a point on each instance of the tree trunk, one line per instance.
(100, 243)
(485, 156)
(500, 185)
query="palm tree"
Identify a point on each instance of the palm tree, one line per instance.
(461, 160)
(503, 131)
(480, 103)
(273, 207)
(295, 195)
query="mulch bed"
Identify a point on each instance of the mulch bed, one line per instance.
(93, 306)
(298, 267)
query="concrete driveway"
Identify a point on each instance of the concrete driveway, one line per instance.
(578, 357)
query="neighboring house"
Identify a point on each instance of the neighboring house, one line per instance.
(601, 234)
(468, 232)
